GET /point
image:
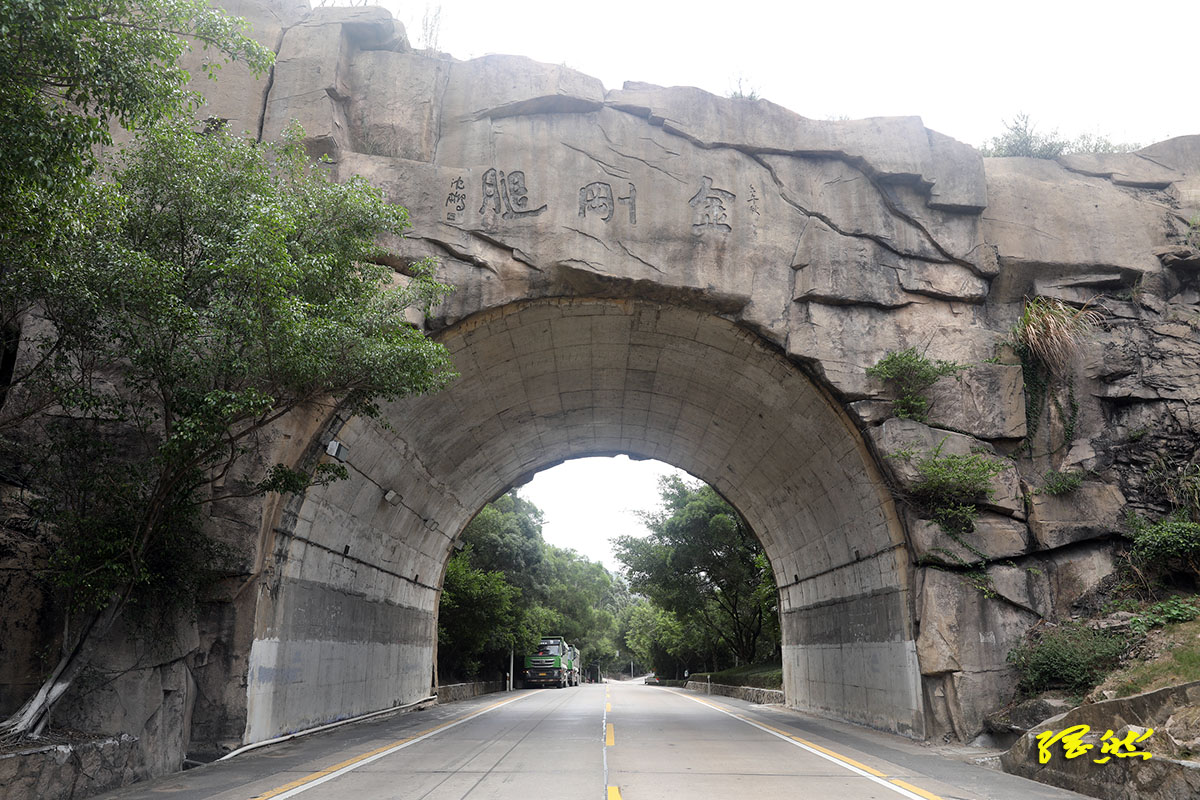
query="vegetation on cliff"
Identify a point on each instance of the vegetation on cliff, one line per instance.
(208, 287)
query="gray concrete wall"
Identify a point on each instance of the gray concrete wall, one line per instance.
(547, 380)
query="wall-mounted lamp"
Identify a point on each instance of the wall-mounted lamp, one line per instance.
(337, 449)
(392, 496)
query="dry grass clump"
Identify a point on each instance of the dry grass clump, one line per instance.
(1049, 331)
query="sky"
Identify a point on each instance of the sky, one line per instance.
(588, 501)
(1125, 71)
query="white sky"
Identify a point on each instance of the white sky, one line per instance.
(1123, 70)
(588, 501)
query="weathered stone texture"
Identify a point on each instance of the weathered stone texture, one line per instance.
(905, 442)
(986, 401)
(995, 536)
(964, 641)
(1093, 510)
(1042, 230)
(673, 275)
(65, 772)
(1165, 776)
(139, 683)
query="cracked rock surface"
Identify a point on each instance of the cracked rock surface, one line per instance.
(664, 272)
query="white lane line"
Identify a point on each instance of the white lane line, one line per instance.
(881, 781)
(363, 761)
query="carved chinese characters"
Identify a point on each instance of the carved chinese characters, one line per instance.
(456, 200)
(597, 197)
(710, 212)
(507, 195)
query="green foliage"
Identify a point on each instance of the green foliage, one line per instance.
(1178, 483)
(1022, 139)
(909, 374)
(950, 487)
(1167, 545)
(553, 592)
(1049, 331)
(1173, 609)
(74, 68)
(1070, 656)
(1059, 483)
(1179, 665)
(474, 615)
(217, 286)
(768, 675)
(743, 91)
(702, 562)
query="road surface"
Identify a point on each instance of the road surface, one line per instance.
(612, 742)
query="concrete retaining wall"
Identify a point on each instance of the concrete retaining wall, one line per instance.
(464, 691)
(750, 694)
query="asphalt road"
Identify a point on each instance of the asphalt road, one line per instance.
(613, 741)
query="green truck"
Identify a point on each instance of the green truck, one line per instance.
(555, 663)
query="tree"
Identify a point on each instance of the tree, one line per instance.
(71, 68)
(557, 591)
(701, 561)
(69, 71)
(214, 287)
(1022, 139)
(475, 615)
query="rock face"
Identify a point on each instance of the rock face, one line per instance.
(674, 275)
(1167, 775)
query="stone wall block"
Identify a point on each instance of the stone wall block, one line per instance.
(892, 147)
(1060, 578)
(310, 87)
(1092, 511)
(918, 440)
(985, 400)
(1165, 776)
(995, 536)
(237, 95)
(1041, 228)
(968, 635)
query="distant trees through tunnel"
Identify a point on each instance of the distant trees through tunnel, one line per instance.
(688, 588)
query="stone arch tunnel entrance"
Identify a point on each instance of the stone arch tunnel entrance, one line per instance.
(352, 622)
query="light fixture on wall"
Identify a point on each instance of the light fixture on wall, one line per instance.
(337, 449)
(392, 496)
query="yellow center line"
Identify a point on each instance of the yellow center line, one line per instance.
(614, 793)
(351, 763)
(607, 707)
(610, 736)
(915, 789)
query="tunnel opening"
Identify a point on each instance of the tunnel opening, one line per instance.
(549, 380)
(642, 568)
